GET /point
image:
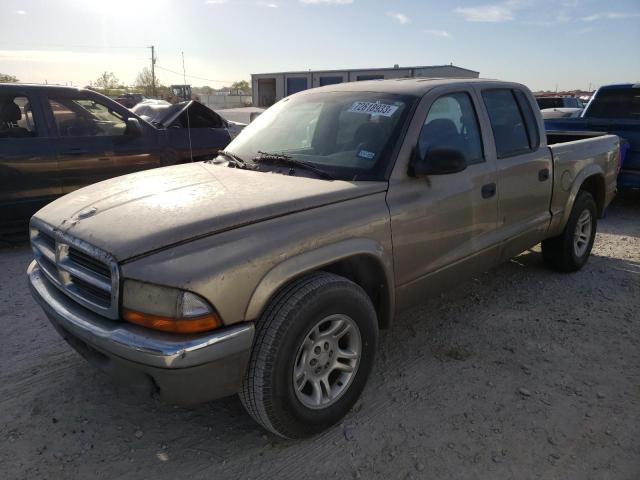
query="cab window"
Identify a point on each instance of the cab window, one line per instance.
(80, 117)
(16, 118)
(452, 123)
(507, 123)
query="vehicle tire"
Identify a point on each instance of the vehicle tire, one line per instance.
(569, 251)
(313, 351)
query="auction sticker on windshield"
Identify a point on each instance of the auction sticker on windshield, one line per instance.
(371, 108)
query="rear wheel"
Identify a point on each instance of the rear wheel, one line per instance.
(569, 251)
(314, 349)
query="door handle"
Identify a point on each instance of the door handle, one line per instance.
(488, 190)
(543, 174)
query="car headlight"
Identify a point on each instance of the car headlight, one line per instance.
(167, 309)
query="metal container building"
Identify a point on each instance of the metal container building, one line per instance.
(268, 88)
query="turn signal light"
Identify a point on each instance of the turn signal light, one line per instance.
(197, 324)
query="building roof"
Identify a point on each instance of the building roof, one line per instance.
(417, 86)
(384, 69)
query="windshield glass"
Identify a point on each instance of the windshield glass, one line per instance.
(348, 134)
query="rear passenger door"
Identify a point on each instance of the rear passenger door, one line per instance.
(524, 169)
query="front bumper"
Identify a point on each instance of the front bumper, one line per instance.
(184, 369)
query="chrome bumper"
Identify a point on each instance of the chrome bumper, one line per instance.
(184, 368)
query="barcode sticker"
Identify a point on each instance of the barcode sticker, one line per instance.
(373, 108)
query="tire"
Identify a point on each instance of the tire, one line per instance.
(561, 252)
(287, 344)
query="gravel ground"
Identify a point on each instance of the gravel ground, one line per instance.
(519, 373)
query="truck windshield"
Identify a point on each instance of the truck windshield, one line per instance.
(621, 103)
(349, 135)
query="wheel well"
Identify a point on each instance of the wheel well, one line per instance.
(595, 186)
(367, 272)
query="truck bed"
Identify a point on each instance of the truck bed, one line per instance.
(581, 154)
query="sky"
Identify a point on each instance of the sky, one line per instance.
(564, 44)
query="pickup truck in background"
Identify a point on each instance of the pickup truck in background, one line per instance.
(269, 270)
(54, 140)
(613, 109)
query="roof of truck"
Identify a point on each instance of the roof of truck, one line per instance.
(38, 86)
(405, 86)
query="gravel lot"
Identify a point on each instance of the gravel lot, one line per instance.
(519, 373)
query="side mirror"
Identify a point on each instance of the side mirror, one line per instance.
(438, 161)
(134, 129)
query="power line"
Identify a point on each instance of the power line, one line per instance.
(193, 76)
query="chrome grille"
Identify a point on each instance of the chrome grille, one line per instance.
(83, 272)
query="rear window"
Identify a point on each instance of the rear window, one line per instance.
(549, 102)
(616, 103)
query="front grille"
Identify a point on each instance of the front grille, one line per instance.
(83, 272)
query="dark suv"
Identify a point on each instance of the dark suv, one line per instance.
(54, 140)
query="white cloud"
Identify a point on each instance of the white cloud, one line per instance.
(438, 33)
(486, 13)
(493, 12)
(400, 17)
(21, 12)
(267, 4)
(327, 2)
(215, 2)
(609, 16)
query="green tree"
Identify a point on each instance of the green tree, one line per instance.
(4, 78)
(242, 86)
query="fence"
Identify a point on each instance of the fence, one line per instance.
(225, 101)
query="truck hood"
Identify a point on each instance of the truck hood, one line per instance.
(134, 214)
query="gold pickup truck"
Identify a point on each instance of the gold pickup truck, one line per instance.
(269, 270)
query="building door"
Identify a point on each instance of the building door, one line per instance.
(296, 84)
(330, 80)
(266, 92)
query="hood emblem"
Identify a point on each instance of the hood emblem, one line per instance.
(87, 212)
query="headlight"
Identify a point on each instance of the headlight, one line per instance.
(167, 309)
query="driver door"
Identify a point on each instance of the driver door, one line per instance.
(443, 226)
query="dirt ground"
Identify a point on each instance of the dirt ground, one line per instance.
(519, 373)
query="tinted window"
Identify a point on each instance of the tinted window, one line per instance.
(85, 118)
(452, 123)
(16, 118)
(548, 102)
(529, 118)
(508, 127)
(616, 103)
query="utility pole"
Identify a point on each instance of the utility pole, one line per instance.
(153, 70)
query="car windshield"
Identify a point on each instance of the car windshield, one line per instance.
(621, 103)
(349, 135)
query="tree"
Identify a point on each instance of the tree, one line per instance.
(4, 78)
(144, 81)
(242, 86)
(106, 81)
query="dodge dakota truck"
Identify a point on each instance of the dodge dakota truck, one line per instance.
(269, 270)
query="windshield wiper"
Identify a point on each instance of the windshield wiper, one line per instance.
(287, 160)
(235, 159)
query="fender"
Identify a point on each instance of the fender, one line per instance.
(592, 170)
(312, 260)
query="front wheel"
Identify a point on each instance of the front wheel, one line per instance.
(314, 349)
(569, 251)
